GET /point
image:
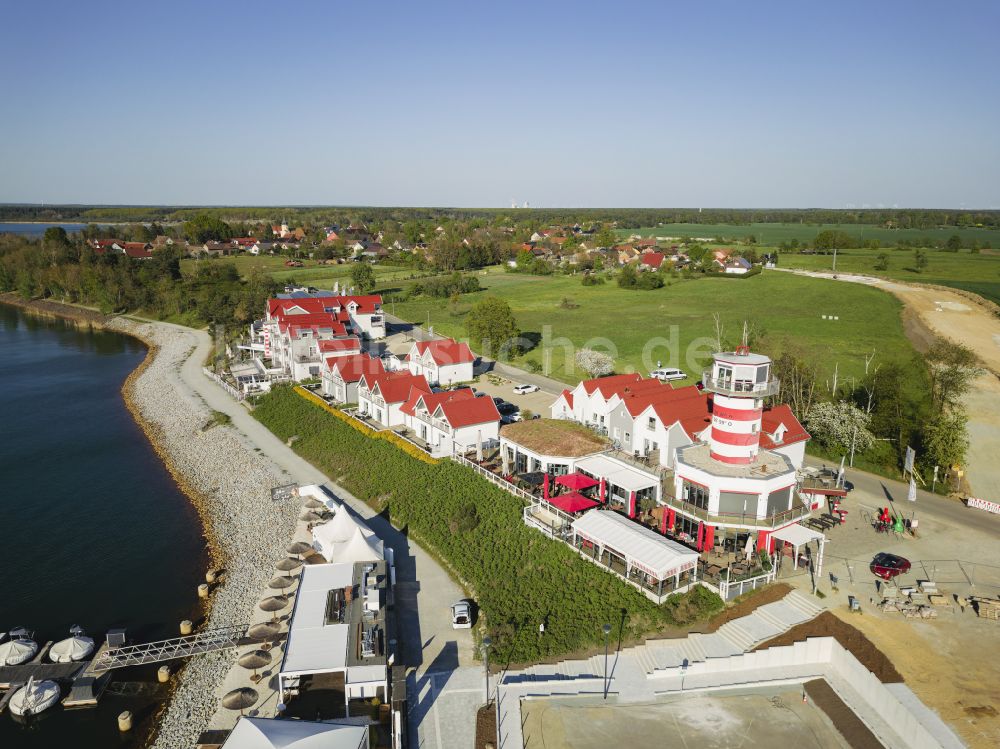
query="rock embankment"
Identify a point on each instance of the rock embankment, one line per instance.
(230, 484)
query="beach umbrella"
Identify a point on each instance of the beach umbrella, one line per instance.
(748, 550)
(273, 605)
(280, 582)
(298, 548)
(309, 517)
(240, 699)
(312, 503)
(253, 660)
(288, 564)
(263, 631)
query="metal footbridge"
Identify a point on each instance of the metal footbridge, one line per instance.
(207, 641)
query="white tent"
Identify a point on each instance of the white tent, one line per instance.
(16, 652)
(363, 546)
(641, 547)
(268, 733)
(798, 536)
(71, 649)
(337, 531)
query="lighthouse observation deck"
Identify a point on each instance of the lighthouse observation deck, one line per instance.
(736, 387)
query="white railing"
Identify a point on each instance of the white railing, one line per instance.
(498, 480)
(236, 394)
(729, 590)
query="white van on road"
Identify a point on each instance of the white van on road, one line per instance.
(665, 375)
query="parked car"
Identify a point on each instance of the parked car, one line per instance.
(888, 566)
(461, 614)
(506, 409)
(665, 375)
(524, 388)
(510, 418)
(498, 401)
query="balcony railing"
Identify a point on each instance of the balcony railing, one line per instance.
(797, 512)
(730, 386)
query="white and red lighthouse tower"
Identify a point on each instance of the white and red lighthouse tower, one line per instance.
(739, 381)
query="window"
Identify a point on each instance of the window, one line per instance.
(652, 422)
(695, 495)
(725, 374)
(628, 437)
(617, 432)
(762, 373)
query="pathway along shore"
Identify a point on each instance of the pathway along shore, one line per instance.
(229, 482)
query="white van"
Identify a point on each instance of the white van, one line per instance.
(665, 375)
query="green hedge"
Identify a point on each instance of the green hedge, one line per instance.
(520, 577)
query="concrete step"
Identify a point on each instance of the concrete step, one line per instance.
(692, 649)
(733, 632)
(758, 628)
(772, 618)
(808, 606)
(646, 660)
(669, 657)
(717, 646)
(785, 613)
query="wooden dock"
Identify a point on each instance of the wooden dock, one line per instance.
(88, 685)
(10, 675)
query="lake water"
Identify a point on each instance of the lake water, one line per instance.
(35, 230)
(95, 531)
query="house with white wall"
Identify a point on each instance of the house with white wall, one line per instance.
(381, 396)
(444, 361)
(451, 421)
(341, 375)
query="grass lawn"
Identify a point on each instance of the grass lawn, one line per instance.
(641, 327)
(312, 272)
(774, 234)
(963, 270)
(518, 576)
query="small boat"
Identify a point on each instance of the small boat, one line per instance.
(74, 648)
(34, 697)
(20, 648)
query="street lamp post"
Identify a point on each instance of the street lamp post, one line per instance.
(486, 660)
(607, 631)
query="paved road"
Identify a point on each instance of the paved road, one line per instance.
(424, 589)
(943, 509)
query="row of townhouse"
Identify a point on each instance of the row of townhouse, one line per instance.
(301, 330)
(446, 421)
(648, 418)
(441, 362)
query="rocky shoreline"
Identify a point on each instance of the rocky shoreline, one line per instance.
(229, 483)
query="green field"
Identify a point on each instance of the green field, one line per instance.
(775, 234)
(785, 307)
(962, 270)
(312, 272)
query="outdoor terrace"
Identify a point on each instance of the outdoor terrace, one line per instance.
(555, 437)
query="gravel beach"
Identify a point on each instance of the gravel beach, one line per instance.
(229, 482)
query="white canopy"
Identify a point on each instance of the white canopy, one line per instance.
(620, 474)
(797, 535)
(363, 546)
(71, 649)
(337, 531)
(16, 652)
(268, 733)
(642, 548)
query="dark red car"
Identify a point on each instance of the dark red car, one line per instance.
(888, 566)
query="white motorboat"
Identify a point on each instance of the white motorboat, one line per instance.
(20, 648)
(74, 648)
(34, 697)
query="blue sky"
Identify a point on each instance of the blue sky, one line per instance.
(473, 104)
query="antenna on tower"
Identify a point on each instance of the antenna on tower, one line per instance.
(744, 347)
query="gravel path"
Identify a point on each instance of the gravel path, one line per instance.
(231, 482)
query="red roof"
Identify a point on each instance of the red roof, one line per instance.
(395, 387)
(611, 384)
(470, 411)
(350, 343)
(568, 397)
(139, 252)
(432, 400)
(367, 304)
(353, 367)
(573, 502)
(653, 259)
(244, 241)
(445, 351)
(773, 418)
